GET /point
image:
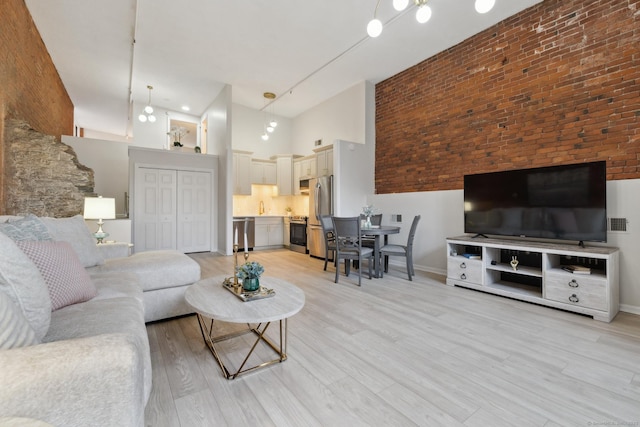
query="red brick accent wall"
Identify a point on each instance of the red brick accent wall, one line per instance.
(558, 83)
(30, 87)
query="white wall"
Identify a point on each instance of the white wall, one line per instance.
(219, 136)
(110, 163)
(341, 117)
(248, 126)
(623, 202)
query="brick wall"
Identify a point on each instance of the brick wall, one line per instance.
(30, 86)
(557, 83)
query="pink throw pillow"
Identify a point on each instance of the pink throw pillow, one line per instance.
(67, 280)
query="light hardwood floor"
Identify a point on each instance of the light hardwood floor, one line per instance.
(400, 353)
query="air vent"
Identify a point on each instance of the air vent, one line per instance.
(618, 224)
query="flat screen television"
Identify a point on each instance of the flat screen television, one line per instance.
(567, 202)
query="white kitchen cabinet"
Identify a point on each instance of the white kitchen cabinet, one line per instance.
(308, 166)
(284, 166)
(297, 168)
(269, 232)
(242, 173)
(324, 161)
(264, 172)
(286, 235)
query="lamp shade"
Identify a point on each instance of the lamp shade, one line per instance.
(99, 208)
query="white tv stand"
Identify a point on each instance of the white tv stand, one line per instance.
(538, 277)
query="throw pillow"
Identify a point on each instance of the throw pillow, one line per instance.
(67, 280)
(22, 281)
(75, 231)
(28, 228)
(15, 331)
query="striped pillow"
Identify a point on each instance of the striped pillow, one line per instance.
(67, 280)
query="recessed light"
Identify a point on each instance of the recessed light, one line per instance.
(185, 108)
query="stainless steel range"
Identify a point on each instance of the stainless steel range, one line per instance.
(298, 234)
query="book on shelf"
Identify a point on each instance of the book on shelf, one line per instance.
(576, 269)
(472, 256)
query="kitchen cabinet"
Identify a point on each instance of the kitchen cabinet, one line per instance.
(242, 173)
(264, 172)
(324, 161)
(286, 235)
(269, 232)
(297, 168)
(307, 166)
(284, 166)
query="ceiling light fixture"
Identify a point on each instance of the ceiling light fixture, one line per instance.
(272, 124)
(147, 112)
(423, 14)
(484, 6)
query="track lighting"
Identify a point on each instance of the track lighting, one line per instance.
(423, 14)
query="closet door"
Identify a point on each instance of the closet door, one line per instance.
(155, 209)
(194, 211)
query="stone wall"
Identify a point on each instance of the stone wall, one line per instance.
(42, 176)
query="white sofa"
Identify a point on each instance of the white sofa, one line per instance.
(86, 363)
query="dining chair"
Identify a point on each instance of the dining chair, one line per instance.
(402, 250)
(348, 247)
(329, 238)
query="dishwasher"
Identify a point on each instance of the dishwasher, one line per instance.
(239, 223)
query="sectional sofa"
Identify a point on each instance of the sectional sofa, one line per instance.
(73, 343)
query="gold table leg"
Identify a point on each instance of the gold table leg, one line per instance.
(259, 330)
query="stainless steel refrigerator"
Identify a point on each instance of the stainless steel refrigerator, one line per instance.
(320, 203)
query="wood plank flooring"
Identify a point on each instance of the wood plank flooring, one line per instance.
(400, 353)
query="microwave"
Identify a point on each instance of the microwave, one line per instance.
(304, 185)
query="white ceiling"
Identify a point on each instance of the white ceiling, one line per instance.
(304, 52)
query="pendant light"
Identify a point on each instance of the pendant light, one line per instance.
(147, 112)
(271, 124)
(423, 14)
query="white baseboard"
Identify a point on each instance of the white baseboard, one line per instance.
(630, 309)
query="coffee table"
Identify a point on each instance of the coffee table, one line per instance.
(212, 302)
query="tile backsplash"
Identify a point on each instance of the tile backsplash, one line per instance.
(273, 204)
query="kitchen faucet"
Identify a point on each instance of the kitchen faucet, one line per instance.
(261, 208)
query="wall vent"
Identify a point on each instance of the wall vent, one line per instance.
(618, 224)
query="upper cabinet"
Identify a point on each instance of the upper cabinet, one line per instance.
(285, 174)
(324, 161)
(264, 172)
(242, 173)
(308, 166)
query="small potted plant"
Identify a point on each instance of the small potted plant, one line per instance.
(367, 211)
(250, 273)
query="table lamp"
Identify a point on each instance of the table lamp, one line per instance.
(99, 208)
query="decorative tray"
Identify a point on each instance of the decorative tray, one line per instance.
(245, 295)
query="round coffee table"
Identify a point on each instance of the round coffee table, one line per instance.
(211, 300)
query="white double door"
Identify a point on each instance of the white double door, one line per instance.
(172, 210)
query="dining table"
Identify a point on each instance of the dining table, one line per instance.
(380, 233)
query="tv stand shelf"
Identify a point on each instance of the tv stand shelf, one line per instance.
(484, 264)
